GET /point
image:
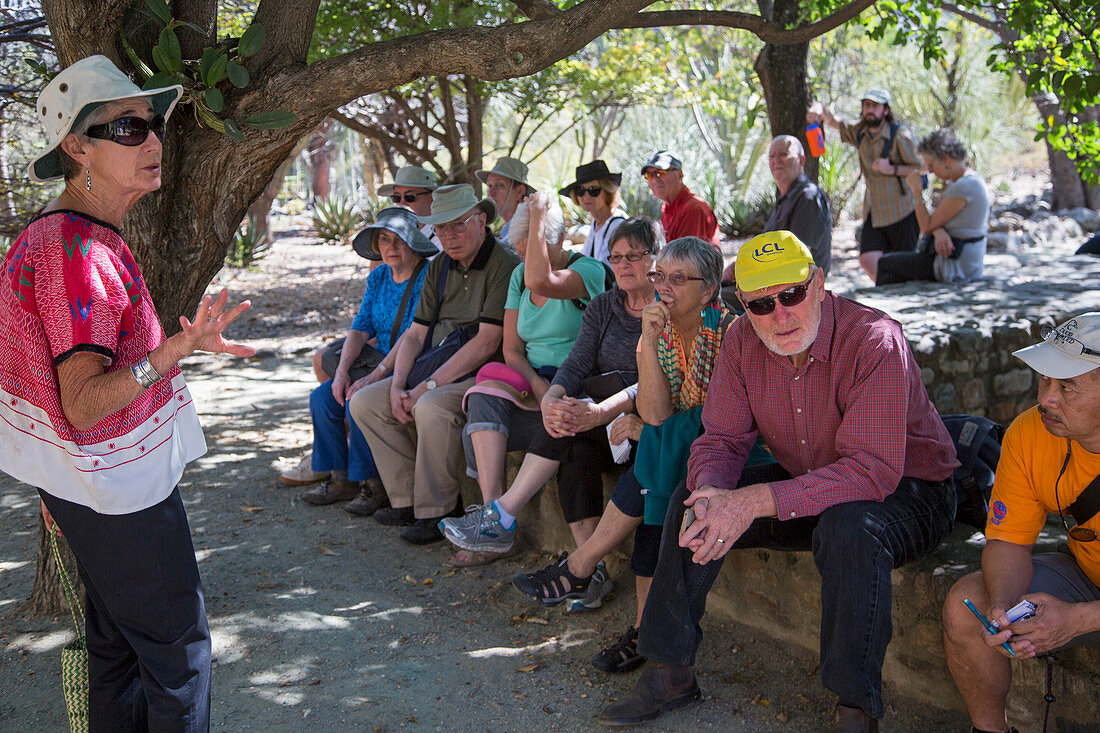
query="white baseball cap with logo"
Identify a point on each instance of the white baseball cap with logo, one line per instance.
(1067, 351)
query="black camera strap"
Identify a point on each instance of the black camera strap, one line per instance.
(1087, 504)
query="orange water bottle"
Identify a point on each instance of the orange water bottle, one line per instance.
(816, 138)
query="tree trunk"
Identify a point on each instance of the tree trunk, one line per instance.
(319, 157)
(260, 210)
(48, 595)
(782, 73)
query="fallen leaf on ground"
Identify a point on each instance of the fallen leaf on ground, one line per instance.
(529, 667)
(251, 508)
(427, 581)
(537, 620)
(325, 550)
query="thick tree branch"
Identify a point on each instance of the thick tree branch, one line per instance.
(289, 29)
(767, 31)
(372, 131)
(537, 9)
(204, 14)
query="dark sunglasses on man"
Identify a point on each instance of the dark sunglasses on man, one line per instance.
(408, 198)
(128, 131)
(788, 298)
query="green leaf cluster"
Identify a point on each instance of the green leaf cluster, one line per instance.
(206, 79)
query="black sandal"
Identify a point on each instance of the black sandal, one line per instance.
(622, 656)
(547, 586)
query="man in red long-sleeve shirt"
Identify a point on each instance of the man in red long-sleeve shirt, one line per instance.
(862, 478)
(683, 214)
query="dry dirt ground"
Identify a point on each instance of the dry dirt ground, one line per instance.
(326, 623)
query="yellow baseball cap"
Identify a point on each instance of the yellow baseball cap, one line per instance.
(772, 258)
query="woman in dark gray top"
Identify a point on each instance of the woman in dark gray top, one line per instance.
(574, 441)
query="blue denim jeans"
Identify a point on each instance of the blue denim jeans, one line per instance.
(855, 546)
(336, 447)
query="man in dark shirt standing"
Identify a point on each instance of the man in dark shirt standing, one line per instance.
(862, 479)
(801, 207)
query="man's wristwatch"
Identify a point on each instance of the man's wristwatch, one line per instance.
(430, 384)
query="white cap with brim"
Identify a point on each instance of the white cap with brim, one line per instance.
(1067, 351)
(78, 91)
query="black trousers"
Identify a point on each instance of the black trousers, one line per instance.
(855, 546)
(148, 639)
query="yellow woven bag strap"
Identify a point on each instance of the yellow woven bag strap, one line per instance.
(67, 583)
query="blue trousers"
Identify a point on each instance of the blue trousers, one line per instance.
(148, 639)
(336, 447)
(855, 546)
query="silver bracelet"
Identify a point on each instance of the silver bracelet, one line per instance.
(145, 374)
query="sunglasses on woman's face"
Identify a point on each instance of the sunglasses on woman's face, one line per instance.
(592, 191)
(407, 197)
(129, 131)
(788, 298)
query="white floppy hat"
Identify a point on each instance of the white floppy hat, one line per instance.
(76, 92)
(1067, 351)
(411, 176)
(451, 202)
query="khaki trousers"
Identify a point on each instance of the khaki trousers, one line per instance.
(420, 464)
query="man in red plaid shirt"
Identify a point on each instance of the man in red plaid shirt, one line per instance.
(862, 479)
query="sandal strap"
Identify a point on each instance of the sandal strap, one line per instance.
(549, 580)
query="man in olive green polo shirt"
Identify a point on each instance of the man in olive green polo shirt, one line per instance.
(415, 430)
(889, 224)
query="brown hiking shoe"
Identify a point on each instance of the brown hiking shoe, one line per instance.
(853, 720)
(661, 687)
(370, 499)
(331, 491)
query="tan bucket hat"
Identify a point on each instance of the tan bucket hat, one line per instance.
(78, 91)
(511, 168)
(411, 176)
(451, 202)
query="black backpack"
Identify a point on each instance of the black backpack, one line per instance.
(978, 445)
(581, 303)
(887, 146)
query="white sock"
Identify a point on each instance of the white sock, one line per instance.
(506, 520)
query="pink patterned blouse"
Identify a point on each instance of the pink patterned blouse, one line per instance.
(69, 284)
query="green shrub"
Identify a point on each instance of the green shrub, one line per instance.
(745, 217)
(249, 244)
(334, 220)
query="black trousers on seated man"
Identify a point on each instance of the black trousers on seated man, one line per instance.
(855, 546)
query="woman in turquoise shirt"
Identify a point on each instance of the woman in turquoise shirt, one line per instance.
(546, 299)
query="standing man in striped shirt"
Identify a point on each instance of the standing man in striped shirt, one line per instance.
(887, 154)
(862, 479)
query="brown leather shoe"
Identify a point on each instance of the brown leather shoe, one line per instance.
(661, 687)
(331, 491)
(853, 720)
(370, 499)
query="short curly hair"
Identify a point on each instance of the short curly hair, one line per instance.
(943, 144)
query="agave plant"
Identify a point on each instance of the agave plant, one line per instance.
(249, 244)
(334, 220)
(743, 217)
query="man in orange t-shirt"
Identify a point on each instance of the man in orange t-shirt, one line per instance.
(1051, 453)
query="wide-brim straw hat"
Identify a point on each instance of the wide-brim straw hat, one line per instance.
(403, 223)
(451, 202)
(510, 168)
(410, 176)
(597, 170)
(78, 91)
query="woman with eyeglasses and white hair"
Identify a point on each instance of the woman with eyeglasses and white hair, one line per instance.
(596, 190)
(682, 331)
(95, 411)
(593, 389)
(547, 296)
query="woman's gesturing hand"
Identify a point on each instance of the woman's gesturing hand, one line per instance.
(211, 318)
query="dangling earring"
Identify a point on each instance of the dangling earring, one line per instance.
(88, 180)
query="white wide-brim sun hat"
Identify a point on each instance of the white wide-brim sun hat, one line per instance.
(78, 91)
